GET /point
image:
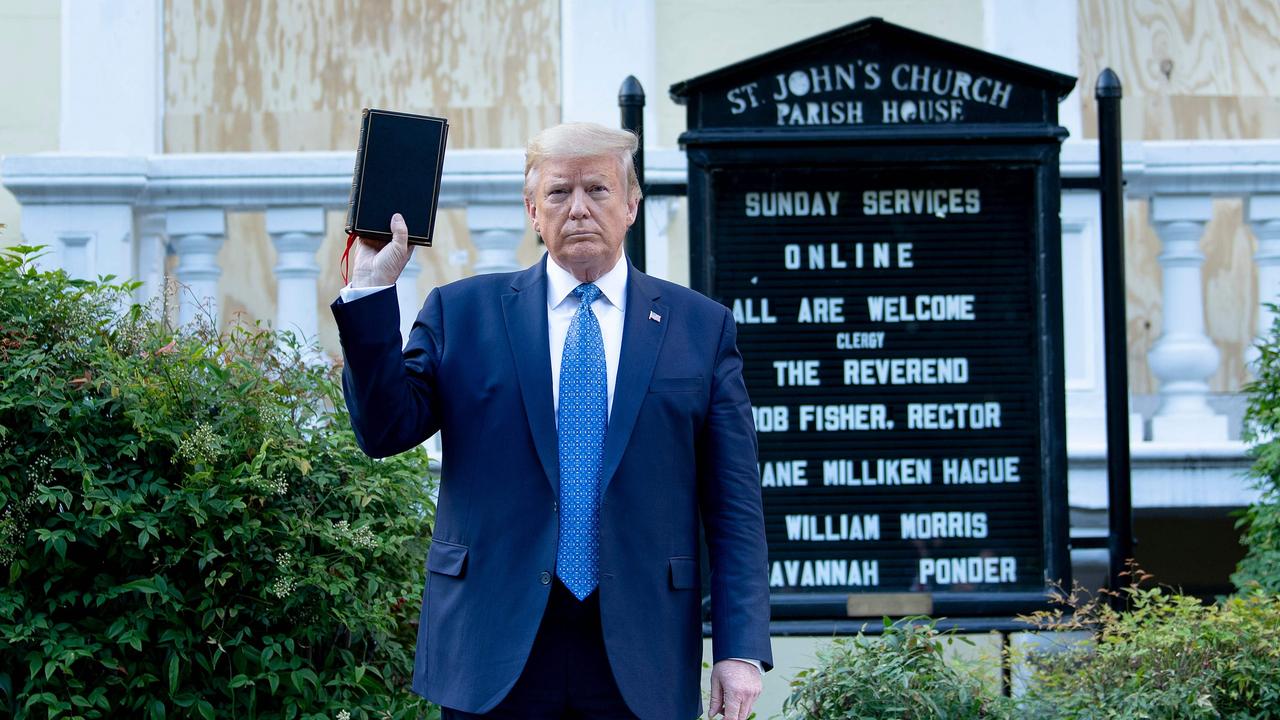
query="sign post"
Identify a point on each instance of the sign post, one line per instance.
(879, 209)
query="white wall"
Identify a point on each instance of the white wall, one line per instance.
(30, 47)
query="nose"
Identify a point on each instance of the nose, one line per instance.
(578, 208)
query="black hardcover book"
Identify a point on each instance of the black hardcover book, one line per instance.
(399, 162)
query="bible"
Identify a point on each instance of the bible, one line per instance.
(399, 162)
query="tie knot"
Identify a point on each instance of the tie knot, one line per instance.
(588, 292)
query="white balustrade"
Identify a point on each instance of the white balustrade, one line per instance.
(197, 235)
(1184, 358)
(123, 214)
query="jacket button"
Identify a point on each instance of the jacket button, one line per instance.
(545, 577)
(555, 507)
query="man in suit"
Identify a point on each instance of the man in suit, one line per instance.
(589, 415)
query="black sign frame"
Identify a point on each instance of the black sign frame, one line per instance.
(716, 150)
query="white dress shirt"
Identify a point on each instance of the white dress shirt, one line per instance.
(609, 308)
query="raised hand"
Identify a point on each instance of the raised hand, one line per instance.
(380, 262)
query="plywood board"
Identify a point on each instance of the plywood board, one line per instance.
(1190, 69)
(245, 76)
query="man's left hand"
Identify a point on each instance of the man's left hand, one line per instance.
(735, 685)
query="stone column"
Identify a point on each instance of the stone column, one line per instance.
(1183, 358)
(1263, 214)
(197, 235)
(496, 231)
(297, 233)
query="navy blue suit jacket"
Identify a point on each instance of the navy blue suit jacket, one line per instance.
(680, 445)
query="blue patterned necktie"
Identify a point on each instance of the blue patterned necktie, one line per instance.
(582, 418)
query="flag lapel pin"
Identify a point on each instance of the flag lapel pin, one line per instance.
(655, 316)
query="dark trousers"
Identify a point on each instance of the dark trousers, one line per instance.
(567, 674)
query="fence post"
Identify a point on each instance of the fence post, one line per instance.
(1111, 171)
(631, 105)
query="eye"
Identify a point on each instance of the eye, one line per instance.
(597, 189)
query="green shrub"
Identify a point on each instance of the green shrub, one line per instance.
(1168, 657)
(187, 527)
(902, 675)
(1260, 568)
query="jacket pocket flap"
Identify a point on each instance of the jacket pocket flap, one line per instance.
(684, 573)
(675, 384)
(447, 558)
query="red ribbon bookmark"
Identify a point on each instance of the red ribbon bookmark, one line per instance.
(351, 239)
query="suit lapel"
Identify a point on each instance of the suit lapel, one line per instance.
(525, 312)
(641, 341)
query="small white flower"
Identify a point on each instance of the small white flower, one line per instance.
(199, 446)
(37, 471)
(283, 587)
(363, 538)
(344, 715)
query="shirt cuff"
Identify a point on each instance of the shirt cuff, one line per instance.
(757, 663)
(349, 294)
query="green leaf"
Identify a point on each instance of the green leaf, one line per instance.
(173, 673)
(44, 698)
(145, 586)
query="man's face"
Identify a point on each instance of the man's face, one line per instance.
(581, 208)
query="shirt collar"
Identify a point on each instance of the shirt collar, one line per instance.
(613, 284)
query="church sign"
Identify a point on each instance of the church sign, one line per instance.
(879, 209)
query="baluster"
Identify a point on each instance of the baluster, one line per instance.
(1184, 357)
(297, 233)
(197, 235)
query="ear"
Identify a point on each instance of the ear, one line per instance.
(531, 210)
(633, 205)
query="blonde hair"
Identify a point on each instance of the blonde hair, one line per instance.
(581, 140)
